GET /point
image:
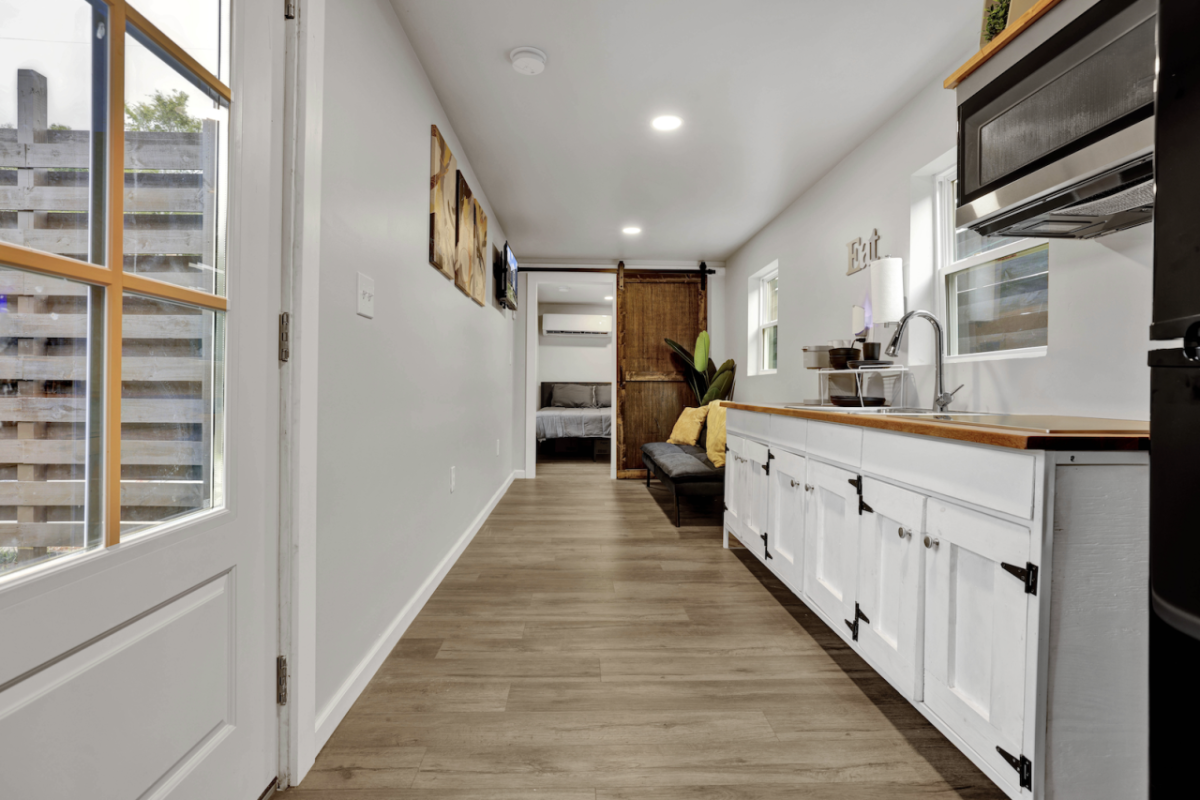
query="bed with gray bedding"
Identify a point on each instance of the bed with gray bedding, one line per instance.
(575, 411)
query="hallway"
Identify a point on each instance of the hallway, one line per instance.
(584, 648)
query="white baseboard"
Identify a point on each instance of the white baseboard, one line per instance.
(329, 717)
(519, 475)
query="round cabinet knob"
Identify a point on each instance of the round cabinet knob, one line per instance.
(930, 542)
(808, 487)
(904, 533)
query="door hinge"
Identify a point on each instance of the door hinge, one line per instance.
(853, 626)
(767, 466)
(289, 9)
(285, 337)
(766, 552)
(1022, 765)
(281, 680)
(1027, 574)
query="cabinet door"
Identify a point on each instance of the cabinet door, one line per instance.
(977, 647)
(733, 484)
(890, 584)
(754, 508)
(785, 528)
(831, 542)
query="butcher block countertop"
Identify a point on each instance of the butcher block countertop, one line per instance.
(1017, 431)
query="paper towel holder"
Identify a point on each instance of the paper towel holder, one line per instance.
(887, 290)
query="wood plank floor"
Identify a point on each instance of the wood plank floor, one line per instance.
(583, 648)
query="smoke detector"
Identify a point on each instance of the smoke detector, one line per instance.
(528, 60)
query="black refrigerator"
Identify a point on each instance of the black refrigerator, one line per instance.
(1175, 411)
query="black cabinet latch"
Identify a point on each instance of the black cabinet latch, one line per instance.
(767, 466)
(1022, 765)
(766, 552)
(1027, 575)
(853, 626)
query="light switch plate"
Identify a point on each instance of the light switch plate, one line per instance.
(366, 296)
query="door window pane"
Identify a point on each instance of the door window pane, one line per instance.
(51, 382)
(200, 27)
(52, 96)
(175, 172)
(172, 411)
(1001, 304)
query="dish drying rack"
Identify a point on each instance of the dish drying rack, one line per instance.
(898, 372)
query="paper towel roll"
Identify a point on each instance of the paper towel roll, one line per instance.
(887, 290)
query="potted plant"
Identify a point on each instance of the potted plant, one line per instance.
(707, 380)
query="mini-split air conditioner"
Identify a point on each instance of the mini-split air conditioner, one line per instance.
(576, 325)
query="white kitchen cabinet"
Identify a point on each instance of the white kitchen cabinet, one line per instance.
(977, 646)
(831, 541)
(1051, 672)
(889, 592)
(785, 527)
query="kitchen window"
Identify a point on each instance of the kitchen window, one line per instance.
(763, 292)
(994, 291)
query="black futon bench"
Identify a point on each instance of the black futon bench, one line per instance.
(685, 469)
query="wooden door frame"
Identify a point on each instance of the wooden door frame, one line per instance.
(529, 308)
(642, 276)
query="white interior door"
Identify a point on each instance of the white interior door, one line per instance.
(831, 542)
(890, 589)
(785, 530)
(976, 644)
(140, 663)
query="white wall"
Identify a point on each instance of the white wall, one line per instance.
(1099, 290)
(425, 385)
(575, 358)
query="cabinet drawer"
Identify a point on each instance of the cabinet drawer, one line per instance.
(1002, 480)
(841, 443)
(748, 423)
(789, 433)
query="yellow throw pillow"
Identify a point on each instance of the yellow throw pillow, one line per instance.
(687, 427)
(716, 433)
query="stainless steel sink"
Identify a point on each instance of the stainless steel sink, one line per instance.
(882, 410)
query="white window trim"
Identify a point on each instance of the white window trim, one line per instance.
(944, 234)
(754, 316)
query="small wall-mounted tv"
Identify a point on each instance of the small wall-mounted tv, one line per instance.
(506, 279)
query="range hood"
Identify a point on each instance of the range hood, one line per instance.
(1061, 145)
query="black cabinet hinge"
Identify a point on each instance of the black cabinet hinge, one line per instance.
(853, 626)
(766, 552)
(856, 482)
(767, 466)
(1022, 765)
(1027, 575)
(862, 506)
(281, 680)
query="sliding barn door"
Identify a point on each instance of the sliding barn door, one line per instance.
(653, 388)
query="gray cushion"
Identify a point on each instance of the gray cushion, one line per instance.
(682, 463)
(604, 396)
(571, 395)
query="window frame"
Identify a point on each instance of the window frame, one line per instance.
(946, 266)
(757, 297)
(123, 20)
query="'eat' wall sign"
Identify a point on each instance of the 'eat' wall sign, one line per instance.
(863, 253)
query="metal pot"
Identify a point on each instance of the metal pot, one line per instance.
(816, 356)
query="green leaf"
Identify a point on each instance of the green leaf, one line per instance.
(702, 342)
(681, 352)
(719, 389)
(728, 366)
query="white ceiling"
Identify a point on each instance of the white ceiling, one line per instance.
(773, 93)
(551, 292)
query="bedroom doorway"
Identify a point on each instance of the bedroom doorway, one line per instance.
(570, 371)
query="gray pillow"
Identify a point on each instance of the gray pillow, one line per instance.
(604, 396)
(567, 395)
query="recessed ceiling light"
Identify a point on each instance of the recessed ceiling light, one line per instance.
(608, 297)
(666, 123)
(528, 60)
(631, 231)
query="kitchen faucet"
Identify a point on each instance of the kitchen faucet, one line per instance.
(941, 399)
